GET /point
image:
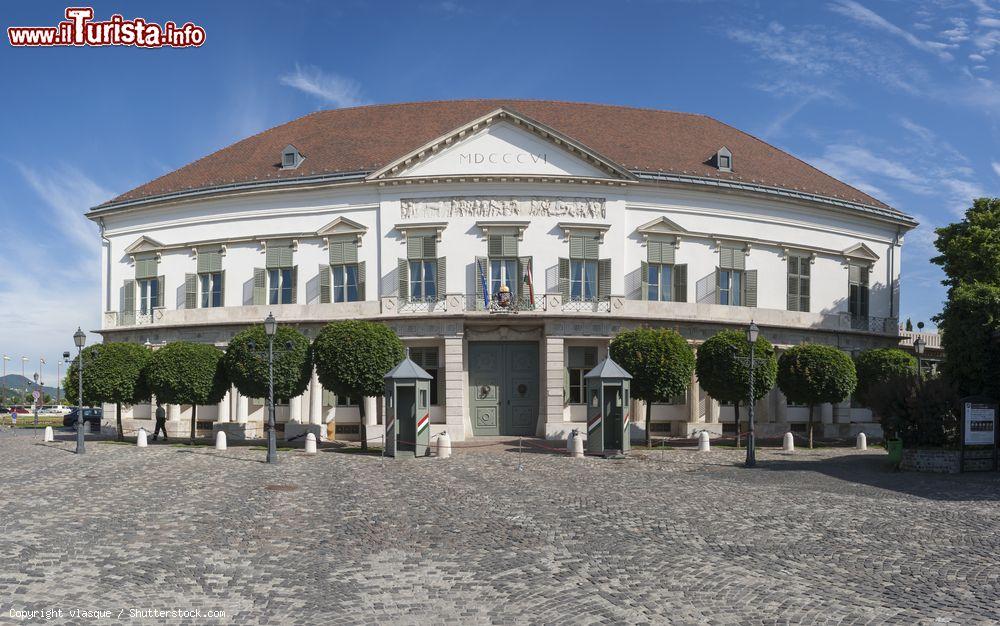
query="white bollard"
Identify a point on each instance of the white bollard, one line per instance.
(311, 443)
(444, 445)
(862, 442)
(789, 442)
(575, 444)
(704, 442)
(48, 434)
(140, 438)
(220, 440)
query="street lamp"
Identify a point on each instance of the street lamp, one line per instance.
(3, 398)
(79, 339)
(271, 327)
(65, 360)
(35, 403)
(752, 333)
(918, 348)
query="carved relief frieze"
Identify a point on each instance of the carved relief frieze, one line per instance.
(500, 206)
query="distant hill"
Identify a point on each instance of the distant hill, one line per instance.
(22, 384)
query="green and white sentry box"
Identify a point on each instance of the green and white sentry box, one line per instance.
(608, 409)
(407, 410)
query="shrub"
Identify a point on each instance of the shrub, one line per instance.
(184, 372)
(247, 366)
(815, 374)
(921, 413)
(877, 367)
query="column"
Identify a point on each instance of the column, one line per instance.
(842, 412)
(711, 410)
(555, 366)
(223, 415)
(242, 407)
(174, 412)
(295, 409)
(454, 387)
(826, 413)
(781, 408)
(694, 400)
(315, 400)
(371, 410)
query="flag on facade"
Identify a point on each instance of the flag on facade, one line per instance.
(530, 281)
(486, 289)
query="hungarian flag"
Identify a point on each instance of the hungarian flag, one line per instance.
(530, 283)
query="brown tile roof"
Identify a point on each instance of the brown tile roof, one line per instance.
(363, 139)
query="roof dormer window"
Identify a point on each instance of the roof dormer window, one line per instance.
(291, 158)
(724, 159)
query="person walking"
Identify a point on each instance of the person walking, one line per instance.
(161, 422)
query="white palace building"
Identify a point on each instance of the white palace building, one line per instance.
(595, 219)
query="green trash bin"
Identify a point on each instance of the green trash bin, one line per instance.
(895, 448)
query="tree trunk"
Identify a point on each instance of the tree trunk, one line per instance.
(118, 412)
(362, 427)
(194, 413)
(649, 416)
(736, 418)
(812, 407)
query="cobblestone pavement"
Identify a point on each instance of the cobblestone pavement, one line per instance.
(828, 536)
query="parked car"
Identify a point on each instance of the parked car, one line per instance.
(89, 415)
(55, 410)
(20, 410)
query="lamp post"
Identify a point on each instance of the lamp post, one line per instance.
(79, 339)
(918, 348)
(65, 360)
(752, 333)
(3, 399)
(35, 403)
(271, 327)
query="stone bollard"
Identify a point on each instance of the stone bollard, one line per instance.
(140, 438)
(311, 443)
(220, 440)
(48, 434)
(444, 445)
(862, 442)
(704, 442)
(789, 443)
(575, 444)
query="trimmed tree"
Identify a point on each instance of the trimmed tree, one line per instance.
(352, 358)
(723, 369)
(184, 372)
(246, 362)
(878, 367)
(660, 361)
(814, 374)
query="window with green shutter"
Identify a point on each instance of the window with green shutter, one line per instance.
(281, 274)
(427, 357)
(857, 296)
(205, 289)
(422, 274)
(583, 277)
(661, 279)
(798, 282)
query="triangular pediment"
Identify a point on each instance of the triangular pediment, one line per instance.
(342, 226)
(661, 226)
(503, 143)
(861, 251)
(144, 244)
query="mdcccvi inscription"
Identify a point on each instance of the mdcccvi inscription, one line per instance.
(489, 206)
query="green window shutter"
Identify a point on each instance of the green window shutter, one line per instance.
(750, 288)
(403, 275)
(494, 246)
(279, 255)
(739, 259)
(644, 280)
(804, 294)
(442, 286)
(430, 247)
(726, 257)
(564, 279)
(590, 247)
(128, 298)
(653, 251)
(481, 265)
(604, 278)
(421, 247)
(509, 245)
(854, 273)
(793, 283)
(145, 266)
(324, 284)
(161, 289)
(272, 258)
(222, 288)
(361, 281)
(191, 290)
(337, 252)
(295, 284)
(343, 251)
(259, 285)
(209, 261)
(667, 250)
(576, 247)
(680, 282)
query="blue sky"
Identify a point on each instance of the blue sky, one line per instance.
(900, 98)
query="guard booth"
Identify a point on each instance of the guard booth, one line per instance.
(407, 410)
(608, 409)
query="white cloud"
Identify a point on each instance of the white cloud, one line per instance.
(864, 15)
(989, 22)
(51, 284)
(996, 167)
(338, 90)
